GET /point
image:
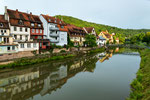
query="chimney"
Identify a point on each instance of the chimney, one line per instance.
(16, 10)
(6, 13)
(30, 13)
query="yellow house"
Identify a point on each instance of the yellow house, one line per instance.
(107, 36)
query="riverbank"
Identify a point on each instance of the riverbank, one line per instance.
(141, 85)
(48, 57)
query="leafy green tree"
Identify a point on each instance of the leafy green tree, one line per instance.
(147, 38)
(70, 43)
(90, 40)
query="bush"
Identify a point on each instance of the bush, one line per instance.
(62, 51)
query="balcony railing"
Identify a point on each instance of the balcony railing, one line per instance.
(53, 28)
(54, 41)
(54, 34)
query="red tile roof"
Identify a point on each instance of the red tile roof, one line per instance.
(4, 23)
(55, 20)
(106, 34)
(89, 29)
(75, 29)
(15, 16)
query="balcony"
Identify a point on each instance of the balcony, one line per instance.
(54, 34)
(3, 34)
(54, 41)
(53, 28)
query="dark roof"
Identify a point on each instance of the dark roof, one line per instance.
(75, 29)
(3, 22)
(54, 20)
(15, 16)
(89, 29)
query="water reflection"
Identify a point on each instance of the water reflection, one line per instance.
(24, 84)
(43, 79)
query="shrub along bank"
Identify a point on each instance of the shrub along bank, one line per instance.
(45, 58)
(141, 85)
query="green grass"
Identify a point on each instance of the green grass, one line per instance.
(141, 85)
(97, 50)
(27, 61)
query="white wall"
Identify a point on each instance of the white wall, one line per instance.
(28, 49)
(45, 25)
(62, 38)
(18, 32)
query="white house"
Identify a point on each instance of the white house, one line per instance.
(54, 29)
(6, 40)
(19, 23)
(101, 41)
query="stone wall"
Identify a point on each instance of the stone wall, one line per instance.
(5, 57)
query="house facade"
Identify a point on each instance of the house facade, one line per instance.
(37, 31)
(77, 35)
(54, 29)
(107, 36)
(6, 40)
(101, 41)
(19, 23)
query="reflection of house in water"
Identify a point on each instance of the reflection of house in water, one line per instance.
(25, 84)
(53, 80)
(105, 56)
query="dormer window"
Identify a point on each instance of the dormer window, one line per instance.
(55, 20)
(20, 22)
(39, 25)
(32, 24)
(60, 22)
(62, 26)
(49, 19)
(1, 24)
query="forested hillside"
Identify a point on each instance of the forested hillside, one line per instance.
(100, 27)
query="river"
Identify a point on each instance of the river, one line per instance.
(101, 76)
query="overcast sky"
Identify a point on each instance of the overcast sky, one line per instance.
(133, 14)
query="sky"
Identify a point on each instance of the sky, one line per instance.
(131, 14)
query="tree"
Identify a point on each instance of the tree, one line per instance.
(70, 43)
(147, 38)
(90, 40)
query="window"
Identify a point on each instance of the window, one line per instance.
(26, 29)
(8, 48)
(15, 28)
(40, 30)
(32, 24)
(15, 36)
(4, 31)
(20, 37)
(34, 45)
(21, 29)
(39, 25)
(37, 31)
(62, 39)
(22, 45)
(1, 31)
(20, 22)
(49, 19)
(56, 38)
(62, 26)
(13, 47)
(60, 22)
(28, 45)
(32, 30)
(26, 38)
(55, 20)
(1, 24)
(56, 32)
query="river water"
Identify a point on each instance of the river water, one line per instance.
(102, 76)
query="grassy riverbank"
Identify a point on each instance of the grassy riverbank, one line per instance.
(45, 58)
(141, 85)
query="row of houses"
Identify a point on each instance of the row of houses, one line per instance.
(20, 31)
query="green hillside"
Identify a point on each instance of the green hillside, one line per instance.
(100, 27)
